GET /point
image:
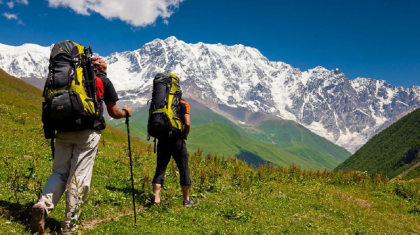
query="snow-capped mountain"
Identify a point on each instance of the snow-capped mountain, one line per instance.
(347, 112)
(28, 60)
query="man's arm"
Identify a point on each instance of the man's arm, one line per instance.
(115, 112)
(187, 124)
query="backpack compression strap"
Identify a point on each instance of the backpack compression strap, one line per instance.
(52, 145)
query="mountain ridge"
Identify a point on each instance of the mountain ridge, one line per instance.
(346, 112)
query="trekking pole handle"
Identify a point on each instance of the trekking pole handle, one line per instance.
(127, 116)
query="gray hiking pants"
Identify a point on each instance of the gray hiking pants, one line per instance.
(72, 171)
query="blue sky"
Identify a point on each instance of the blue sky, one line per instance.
(377, 39)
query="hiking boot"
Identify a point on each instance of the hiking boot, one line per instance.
(38, 218)
(189, 203)
(68, 230)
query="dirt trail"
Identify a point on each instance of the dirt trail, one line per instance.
(93, 223)
(410, 169)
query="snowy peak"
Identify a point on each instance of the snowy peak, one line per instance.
(26, 48)
(27, 60)
(323, 100)
(347, 112)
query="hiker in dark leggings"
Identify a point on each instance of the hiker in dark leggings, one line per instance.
(175, 147)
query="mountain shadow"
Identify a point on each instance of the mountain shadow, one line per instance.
(251, 158)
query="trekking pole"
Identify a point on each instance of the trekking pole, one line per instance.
(131, 165)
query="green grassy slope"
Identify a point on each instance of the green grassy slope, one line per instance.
(200, 117)
(392, 151)
(138, 123)
(280, 142)
(298, 140)
(21, 95)
(234, 198)
(220, 138)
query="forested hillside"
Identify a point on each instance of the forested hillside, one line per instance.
(391, 152)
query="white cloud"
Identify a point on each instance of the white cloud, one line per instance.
(135, 12)
(10, 4)
(10, 16)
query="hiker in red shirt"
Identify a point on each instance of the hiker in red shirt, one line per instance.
(74, 158)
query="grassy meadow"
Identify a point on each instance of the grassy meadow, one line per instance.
(235, 198)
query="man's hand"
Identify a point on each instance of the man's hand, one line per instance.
(117, 113)
(128, 110)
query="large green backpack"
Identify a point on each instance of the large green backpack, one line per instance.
(164, 112)
(70, 91)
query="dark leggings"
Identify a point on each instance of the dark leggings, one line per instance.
(178, 150)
